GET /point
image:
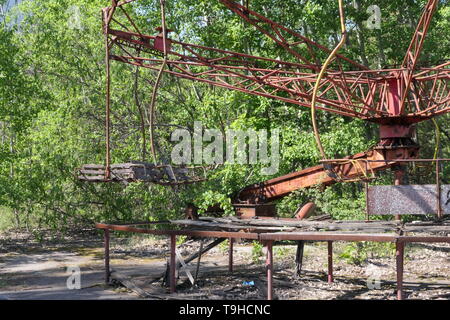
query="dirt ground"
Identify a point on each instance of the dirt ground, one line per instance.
(38, 270)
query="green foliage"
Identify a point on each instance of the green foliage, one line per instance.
(224, 246)
(359, 252)
(282, 252)
(257, 251)
(342, 202)
(181, 240)
(6, 219)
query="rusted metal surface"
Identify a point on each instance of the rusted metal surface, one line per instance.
(392, 159)
(172, 264)
(408, 199)
(305, 211)
(330, 261)
(396, 131)
(191, 212)
(395, 98)
(399, 256)
(424, 239)
(247, 211)
(269, 267)
(230, 254)
(350, 168)
(107, 13)
(413, 53)
(268, 238)
(366, 194)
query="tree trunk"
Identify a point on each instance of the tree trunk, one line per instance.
(361, 39)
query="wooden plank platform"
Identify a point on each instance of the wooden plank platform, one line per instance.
(136, 171)
(339, 227)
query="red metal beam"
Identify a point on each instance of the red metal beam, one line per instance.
(275, 31)
(269, 268)
(399, 256)
(353, 167)
(415, 49)
(330, 261)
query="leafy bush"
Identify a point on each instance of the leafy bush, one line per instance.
(359, 252)
(257, 251)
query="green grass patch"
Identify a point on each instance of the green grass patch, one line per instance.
(359, 252)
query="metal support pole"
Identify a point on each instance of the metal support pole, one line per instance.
(299, 257)
(269, 267)
(107, 271)
(173, 265)
(399, 259)
(108, 108)
(230, 254)
(330, 262)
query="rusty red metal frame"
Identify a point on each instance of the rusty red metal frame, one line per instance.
(374, 95)
(400, 242)
(268, 240)
(415, 48)
(354, 167)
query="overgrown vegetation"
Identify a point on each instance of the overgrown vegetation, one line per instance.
(52, 86)
(359, 252)
(257, 251)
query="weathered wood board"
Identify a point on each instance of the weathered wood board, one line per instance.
(140, 171)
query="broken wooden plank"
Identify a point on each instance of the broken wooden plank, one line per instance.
(427, 229)
(309, 225)
(92, 178)
(140, 171)
(228, 226)
(130, 284)
(94, 166)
